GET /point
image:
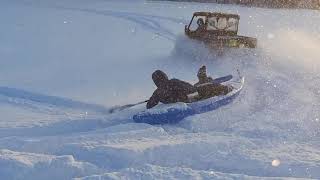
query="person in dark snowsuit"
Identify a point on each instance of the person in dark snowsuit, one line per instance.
(169, 90)
(202, 76)
(206, 86)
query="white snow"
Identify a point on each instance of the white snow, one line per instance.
(63, 64)
(19, 165)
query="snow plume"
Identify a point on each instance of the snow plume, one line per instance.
(192, 49)
(280, 98)
(298, 48)
(294, 57)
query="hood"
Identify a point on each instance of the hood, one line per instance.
(159, 78)
(202, 73)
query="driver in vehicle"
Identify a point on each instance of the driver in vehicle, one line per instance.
(201, 25)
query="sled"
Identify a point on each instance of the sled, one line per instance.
(174, 113)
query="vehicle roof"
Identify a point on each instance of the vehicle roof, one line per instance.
(216, 14)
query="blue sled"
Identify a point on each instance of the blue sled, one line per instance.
(174, 113)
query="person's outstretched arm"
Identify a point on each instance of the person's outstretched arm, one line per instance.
(154, 100)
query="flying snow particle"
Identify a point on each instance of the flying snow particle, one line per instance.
(155, 36)
(275, 163)
(65, 22)
(270, 36)
(317, 119)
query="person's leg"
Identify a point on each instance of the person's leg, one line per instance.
(212, 90)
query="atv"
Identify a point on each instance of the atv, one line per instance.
(218, 31)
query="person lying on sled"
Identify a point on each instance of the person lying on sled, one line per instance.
(169, 90)
(175, 90)
(206, 87)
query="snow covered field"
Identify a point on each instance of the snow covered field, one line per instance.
(64, 63)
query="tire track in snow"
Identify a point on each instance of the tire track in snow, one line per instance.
(32, 100)
(31, 106)
(145, 20)
(59, 128)
(75, 122)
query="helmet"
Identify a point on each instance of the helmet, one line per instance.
(200, 22)
(159, 78)
(202, 73)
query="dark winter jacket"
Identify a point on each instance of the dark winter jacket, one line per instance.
(169, 91)
(208, 90)
(203, 81)
(206, 86)
(202, 76)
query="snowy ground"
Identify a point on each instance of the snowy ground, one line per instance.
(65, 62)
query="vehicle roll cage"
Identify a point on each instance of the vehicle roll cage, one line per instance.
(217, 15)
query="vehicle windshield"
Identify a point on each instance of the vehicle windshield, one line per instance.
(222, 23)
(195, 22)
